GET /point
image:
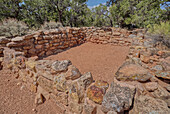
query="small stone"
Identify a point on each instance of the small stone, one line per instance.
(151, 86)
(19, 83)
(33, 88)
(39, 99)
(22, 87)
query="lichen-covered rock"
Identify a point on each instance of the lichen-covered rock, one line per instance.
(72, 73)
(96, 91)
(149, 105)
(118, 98)
(60, 66)
(76, 98)
(133, 72)
(60, 82)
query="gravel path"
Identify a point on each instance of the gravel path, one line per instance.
(101, 60)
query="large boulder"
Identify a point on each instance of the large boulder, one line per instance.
(118, 98)
(133, 72)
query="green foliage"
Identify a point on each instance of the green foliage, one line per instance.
(162, 29)
(51, 25)
(12, 28)
(75, 13)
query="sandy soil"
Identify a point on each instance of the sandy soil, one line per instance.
(15, 98)
(101, 60)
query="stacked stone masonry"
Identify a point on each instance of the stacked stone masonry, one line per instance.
(45, 43)
(141, 84)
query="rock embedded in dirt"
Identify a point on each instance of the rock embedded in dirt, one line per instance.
(96, 91)
(144, 104)
(39, 99)
(72, 73)
(133, 72)
(118, 98)
(60, 66)
(151, 86)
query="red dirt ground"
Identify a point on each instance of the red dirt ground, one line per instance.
(14, 100)
(101, 60)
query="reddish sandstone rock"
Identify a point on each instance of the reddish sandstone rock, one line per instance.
(97, 91)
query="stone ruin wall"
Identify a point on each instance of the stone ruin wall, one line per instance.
(79, 93)
(45, 43)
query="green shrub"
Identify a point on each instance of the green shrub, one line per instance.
(51, 25)
(161, 29)
(161, 33)
(12, 28)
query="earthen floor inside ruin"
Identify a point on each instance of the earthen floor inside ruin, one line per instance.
(101, 60)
